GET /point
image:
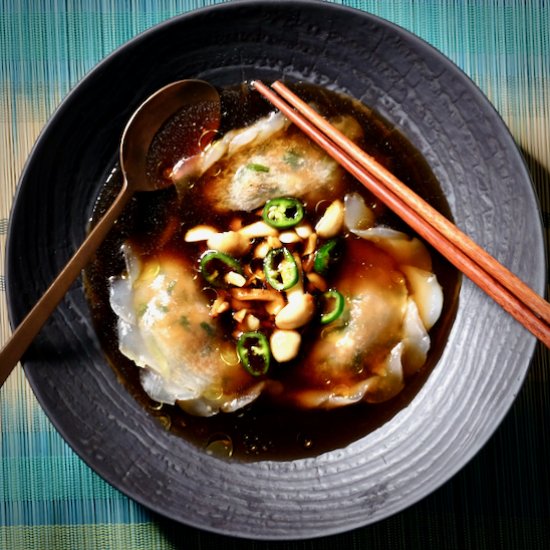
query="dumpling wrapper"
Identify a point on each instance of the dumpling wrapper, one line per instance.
(283, 162)
(164, 327)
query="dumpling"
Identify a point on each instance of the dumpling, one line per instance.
(164, 326)
(358, 356)
(270, 158)
(392, 299)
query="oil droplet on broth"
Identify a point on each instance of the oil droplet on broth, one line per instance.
(305, 441)
(214, 393)
(256, 444)
(229, 356)
(220, 445)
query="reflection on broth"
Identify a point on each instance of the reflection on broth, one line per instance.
(269, 306)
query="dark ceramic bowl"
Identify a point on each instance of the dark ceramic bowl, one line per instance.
(486, 185)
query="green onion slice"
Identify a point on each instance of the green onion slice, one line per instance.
(283, 212)
(280, 268)
(326, 256)
(254, 353)
(333, 302)
(254, 166)
(214, 265)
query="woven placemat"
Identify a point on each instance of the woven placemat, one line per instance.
(49, 499)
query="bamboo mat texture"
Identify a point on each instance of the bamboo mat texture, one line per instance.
(50, 500)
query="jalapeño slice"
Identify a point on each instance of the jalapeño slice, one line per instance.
(254, 353)
(280, 268)
(283, 212)
(214, 265)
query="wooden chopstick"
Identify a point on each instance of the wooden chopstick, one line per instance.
(520, 301)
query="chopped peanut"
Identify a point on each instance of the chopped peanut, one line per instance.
(200, 233)
(274, 306)
(218, 307)
(285, 344)
(251, 322)
(273, 242)
(258, 229)
(261, 250)
(230, 242)
(240, 315)
(303, 230)
(235, 279)
(296, 313)
(310, 244)
(289, 237)
(317, 281)
(332, 221)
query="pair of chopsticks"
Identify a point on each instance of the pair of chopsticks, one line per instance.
(510, 292)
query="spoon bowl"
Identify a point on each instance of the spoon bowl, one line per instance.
(197, 106)
(194, 104)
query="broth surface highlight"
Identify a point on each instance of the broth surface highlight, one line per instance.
(158, 222)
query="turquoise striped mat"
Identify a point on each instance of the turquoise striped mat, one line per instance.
(49, 499)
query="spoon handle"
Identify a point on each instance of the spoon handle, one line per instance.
(24, 334)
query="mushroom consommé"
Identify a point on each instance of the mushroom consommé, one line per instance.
(268, 307)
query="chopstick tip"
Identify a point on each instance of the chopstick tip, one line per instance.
(257, 84)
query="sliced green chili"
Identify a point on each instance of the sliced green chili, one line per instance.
(280, 268)
(283, 212)
(333, 302)
(214, 265)
(326, 256)
(254, 353)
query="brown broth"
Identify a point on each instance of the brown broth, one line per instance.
(262, 430)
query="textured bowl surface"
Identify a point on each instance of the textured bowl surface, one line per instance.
(480, 170)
